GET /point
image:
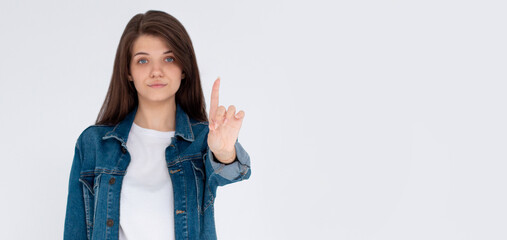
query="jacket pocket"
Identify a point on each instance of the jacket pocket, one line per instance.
(90, 190)
(203, 191)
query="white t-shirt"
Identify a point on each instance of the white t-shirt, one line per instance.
(146, 201)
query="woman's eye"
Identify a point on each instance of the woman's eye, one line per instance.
(143, 61)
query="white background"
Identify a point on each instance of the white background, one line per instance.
(364, 119)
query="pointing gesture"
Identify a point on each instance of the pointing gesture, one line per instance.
(224, 127)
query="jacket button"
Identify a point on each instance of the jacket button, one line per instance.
(123, 150)
(110, 222)
(112, 181)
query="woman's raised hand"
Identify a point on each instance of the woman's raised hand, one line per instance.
(224, 127)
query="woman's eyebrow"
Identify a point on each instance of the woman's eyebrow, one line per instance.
(143, 53)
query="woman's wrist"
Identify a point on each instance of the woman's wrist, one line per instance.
(226, 158)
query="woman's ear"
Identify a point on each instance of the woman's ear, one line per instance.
(183, 75)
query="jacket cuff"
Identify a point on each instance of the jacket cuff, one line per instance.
(234, 170)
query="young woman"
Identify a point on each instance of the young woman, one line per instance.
(150, 166)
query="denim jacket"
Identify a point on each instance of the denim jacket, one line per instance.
(100, 162)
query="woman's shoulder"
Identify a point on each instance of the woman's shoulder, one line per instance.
(94, 132)
(199, 127)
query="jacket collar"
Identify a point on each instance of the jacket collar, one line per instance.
(122, 129)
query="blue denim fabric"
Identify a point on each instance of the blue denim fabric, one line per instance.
(100, 162)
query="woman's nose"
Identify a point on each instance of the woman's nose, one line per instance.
(156, 71)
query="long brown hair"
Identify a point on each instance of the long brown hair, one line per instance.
(121, 97)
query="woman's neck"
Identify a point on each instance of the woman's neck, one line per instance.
(158, 116)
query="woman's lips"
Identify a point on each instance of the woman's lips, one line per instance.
(157, 85)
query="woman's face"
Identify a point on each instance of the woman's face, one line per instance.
(155, 71)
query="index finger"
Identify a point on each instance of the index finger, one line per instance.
(214, 99)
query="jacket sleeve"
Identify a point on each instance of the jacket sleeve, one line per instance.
(221, 174)
(75, 221)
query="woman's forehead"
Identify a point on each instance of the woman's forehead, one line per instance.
(151, 44)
